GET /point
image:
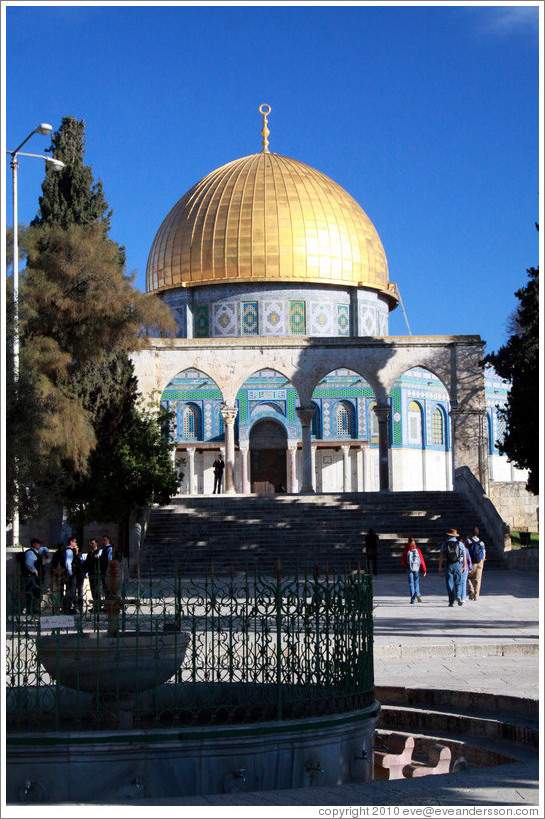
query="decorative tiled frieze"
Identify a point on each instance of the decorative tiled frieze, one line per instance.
(320, 319)
(250, 318)
(368, 320)
(274, 318)
(201, 326)
(298, 321)
(224, 319)
(343, 320)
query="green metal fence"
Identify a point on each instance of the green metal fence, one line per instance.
(177, 651)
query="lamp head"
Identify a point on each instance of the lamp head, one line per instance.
(54, 164)
(44, 128)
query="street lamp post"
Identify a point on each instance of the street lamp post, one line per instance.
(54, 165)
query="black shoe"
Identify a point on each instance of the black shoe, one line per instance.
(459, 601)
(418, 598)
(412, 601)
(451, 604)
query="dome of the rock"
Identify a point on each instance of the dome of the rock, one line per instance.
(269, 219)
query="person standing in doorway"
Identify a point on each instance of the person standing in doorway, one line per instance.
(371, 549)
(219, 466)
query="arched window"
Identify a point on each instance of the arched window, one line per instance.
(438, 427)
(344, 416)
(191, 421)
(414, 421)
(316, 425)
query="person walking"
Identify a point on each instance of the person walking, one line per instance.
(477, 550)
(468, 568)
(413, 561)
(219, 466)
(371, 550)
(453, 557)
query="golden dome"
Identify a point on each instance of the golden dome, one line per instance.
(267, 218)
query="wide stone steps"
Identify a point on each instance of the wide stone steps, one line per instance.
(235, 533)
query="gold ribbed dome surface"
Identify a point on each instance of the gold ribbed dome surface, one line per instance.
(267, 218)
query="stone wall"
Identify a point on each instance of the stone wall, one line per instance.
(517, 507)
(522, 560)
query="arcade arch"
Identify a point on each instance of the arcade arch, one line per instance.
(420, 452)
(343, 457)
(267, 433)
(195, 401)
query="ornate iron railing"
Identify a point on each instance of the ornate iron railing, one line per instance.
(185, 652)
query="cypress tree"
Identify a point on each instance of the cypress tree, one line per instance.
(71, 196)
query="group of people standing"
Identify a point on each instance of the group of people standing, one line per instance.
(69, 568)
(461, 560)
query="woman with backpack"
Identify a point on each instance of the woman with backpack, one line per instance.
(412, 560)
(466, 571)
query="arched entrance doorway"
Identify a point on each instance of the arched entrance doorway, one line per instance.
(268, 444)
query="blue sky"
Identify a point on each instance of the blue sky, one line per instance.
(427, 115)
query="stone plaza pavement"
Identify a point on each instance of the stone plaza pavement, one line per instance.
(490, 645)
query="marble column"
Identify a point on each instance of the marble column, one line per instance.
(346, 467)
(382, 412)
(362, 456)
(244, 454)
(313, 466)
(305, 417)
(191, 475)
(229, 414)
(292, 469)
(424, 468)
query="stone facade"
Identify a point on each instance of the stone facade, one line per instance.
(457, 393)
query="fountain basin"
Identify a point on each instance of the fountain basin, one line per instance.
(129, 662)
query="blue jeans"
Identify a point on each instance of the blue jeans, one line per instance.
(414, 583)
(453, 577)
(464, 584)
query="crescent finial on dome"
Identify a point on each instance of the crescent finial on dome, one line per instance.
(264, 110)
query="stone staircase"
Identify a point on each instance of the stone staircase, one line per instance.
(239, 532)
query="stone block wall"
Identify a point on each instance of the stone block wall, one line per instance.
(517, 507)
